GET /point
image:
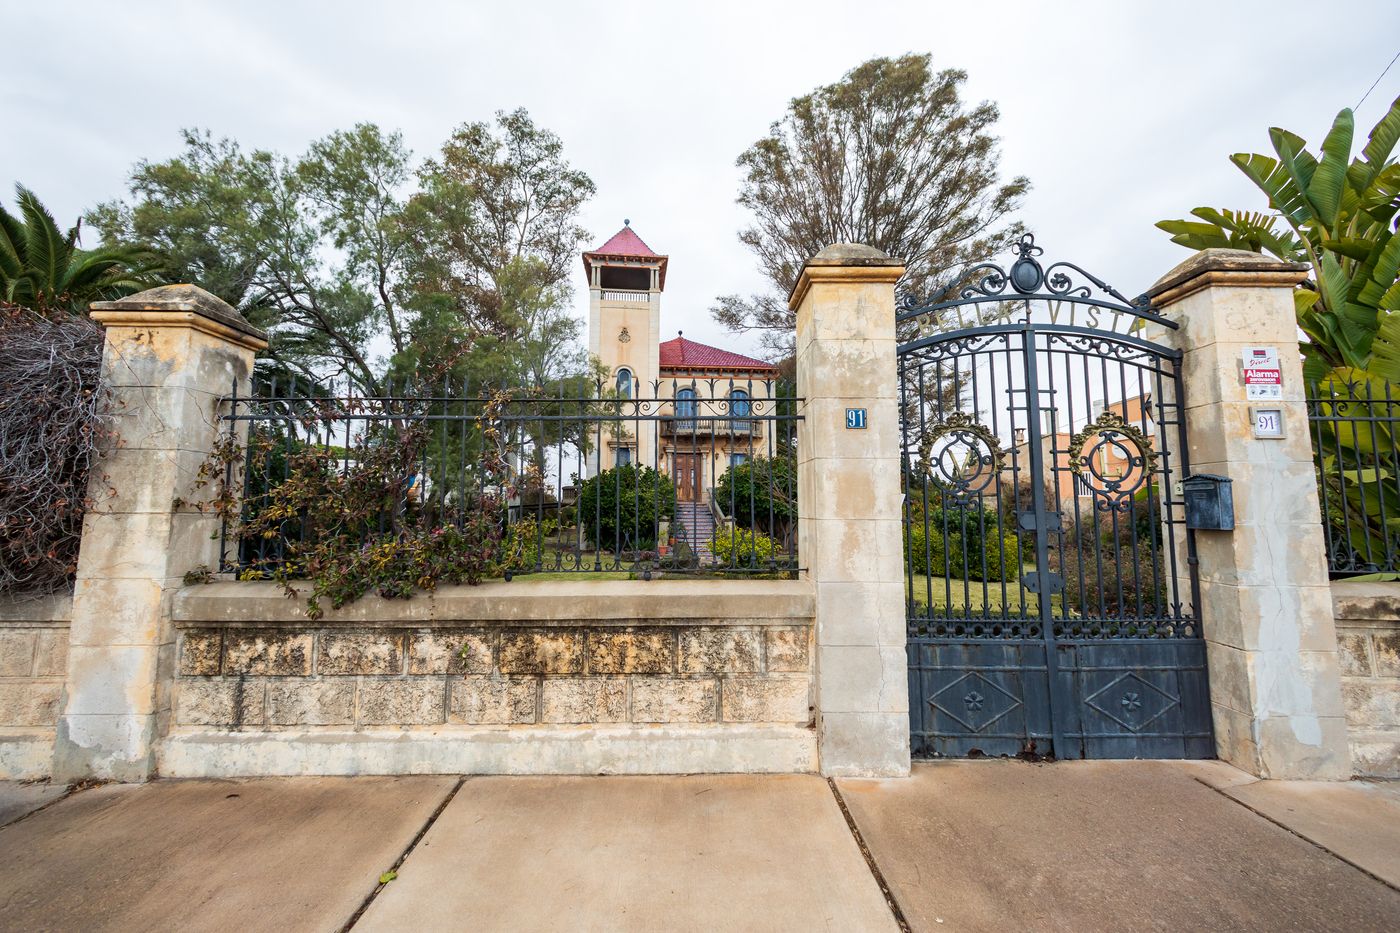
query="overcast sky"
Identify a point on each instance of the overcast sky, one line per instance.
(1120, 113)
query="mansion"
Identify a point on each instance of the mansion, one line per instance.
(701, 392)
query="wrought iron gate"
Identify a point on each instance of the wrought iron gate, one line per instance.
(1051, 587)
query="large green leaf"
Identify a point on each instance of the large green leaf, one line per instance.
(1380, 274)
(1384, 135)
(1274, 180)
(1300, 166)
(1325, 190)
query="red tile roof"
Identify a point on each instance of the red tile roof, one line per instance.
(687, 354)
(624, 244)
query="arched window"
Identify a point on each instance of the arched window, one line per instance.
(624, 383)
(739, 409)
(685, 403)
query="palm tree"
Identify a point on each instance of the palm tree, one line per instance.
(44, 269)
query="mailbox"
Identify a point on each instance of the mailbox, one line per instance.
(1210, 504)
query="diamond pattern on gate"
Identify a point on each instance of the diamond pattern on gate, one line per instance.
(1131, 702)
(974, 701)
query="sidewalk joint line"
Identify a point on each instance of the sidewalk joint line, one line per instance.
(413, 844)
(869, 858)
(1310, 841)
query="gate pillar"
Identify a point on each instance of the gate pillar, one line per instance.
(169, 354)
(849, 530)
(1266, 606)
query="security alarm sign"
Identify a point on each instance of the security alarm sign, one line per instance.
(1263, 380)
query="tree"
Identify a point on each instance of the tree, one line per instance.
(357, 271)
(43, 269)
(498, 208)
(1337, 214)
(888, 156)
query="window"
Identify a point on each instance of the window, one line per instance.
(624, 383)
(685, 403)
(738, 459)
(740, 407)
(624, 456)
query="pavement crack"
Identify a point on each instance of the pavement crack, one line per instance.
(408, 850)
(869, 858)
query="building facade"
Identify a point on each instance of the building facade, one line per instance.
(703, 393)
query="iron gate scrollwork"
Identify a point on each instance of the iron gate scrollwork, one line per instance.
(1051, 586)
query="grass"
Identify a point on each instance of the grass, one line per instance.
(972, 597)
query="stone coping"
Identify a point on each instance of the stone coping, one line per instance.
(1366, 601)
(543, 602)
(30, 609)
(178, 300)
(622, 749)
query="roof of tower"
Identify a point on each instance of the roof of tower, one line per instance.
(687, 354)
(624, 245)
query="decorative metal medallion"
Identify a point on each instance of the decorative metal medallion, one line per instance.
(1118, 464)
(624, 337)
(969, 461)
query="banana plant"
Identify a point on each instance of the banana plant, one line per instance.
(1337, 214)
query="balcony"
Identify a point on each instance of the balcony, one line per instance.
(641, 297)
(717, 426)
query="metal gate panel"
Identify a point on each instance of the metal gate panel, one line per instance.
(1050, 579)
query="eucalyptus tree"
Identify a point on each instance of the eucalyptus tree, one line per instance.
(889, 156)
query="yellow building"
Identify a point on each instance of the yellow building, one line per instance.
(701, 393)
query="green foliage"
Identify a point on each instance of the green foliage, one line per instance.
(890, 156)
(963, 544)
(1340, 217)
(43, 269)
(621, 508)
(1337, 214)
(761, 493)
(743, 547)
(338, 252)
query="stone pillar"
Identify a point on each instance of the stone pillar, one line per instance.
(170, 354)
(1265, 602)
(849, 535)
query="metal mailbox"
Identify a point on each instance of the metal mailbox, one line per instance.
(1210, 502)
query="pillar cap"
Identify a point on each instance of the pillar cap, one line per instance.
(176, 305)
(1228, 267)
(845, 262)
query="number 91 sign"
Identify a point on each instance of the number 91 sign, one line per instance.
(855, 419)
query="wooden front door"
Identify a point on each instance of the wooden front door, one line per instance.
(685, 473)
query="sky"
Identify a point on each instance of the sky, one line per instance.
(1121, 113)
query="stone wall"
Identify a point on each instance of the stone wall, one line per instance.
(602, 667)
(1368, 639)
(33, 663)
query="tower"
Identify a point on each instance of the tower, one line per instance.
(625, 281)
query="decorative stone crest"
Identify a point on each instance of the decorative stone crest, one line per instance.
(623, 336)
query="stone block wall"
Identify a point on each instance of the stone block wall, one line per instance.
(521, 677)
(1368, 643)
(33, 664)
(476, 673)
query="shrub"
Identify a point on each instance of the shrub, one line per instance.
(972, 549)
(761, 493)
(744, 547)
(622, 508)
(1119, 556)
(54, 417)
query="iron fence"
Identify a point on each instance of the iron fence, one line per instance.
(1355, 430)
(580, 480)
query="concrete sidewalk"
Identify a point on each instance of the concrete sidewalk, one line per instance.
(971, 845)
(1119, 845)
